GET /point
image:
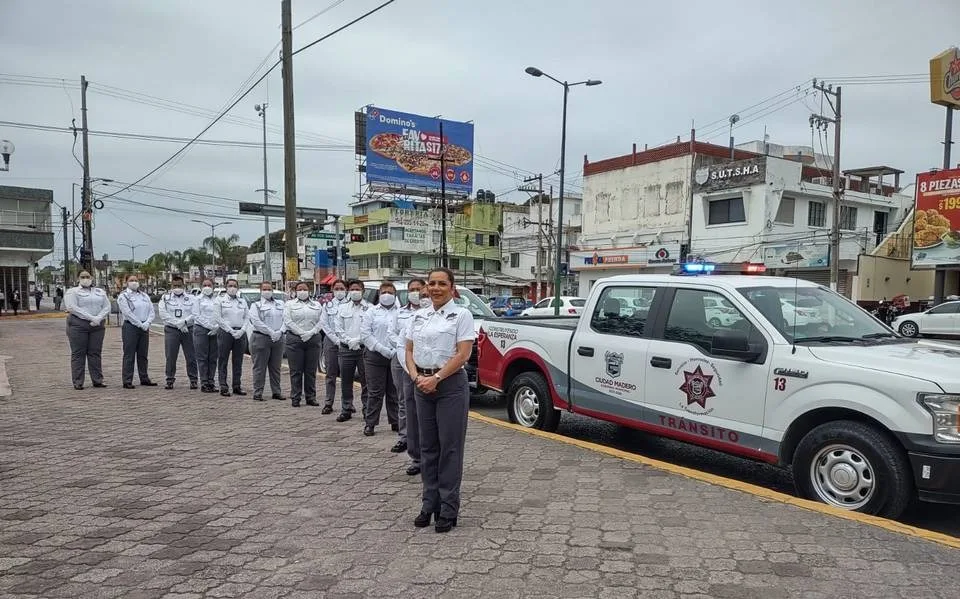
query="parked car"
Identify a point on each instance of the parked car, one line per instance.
(569, 306)
(867, 419)
(939, 320)
(503, 304)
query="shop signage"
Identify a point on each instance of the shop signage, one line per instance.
(739, 173)
(623, 258)
(936, 219)
(797, 255)
(945, 78)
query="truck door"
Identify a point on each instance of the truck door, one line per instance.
(608, 352)
(695, 395)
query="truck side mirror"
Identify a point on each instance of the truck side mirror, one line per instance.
(734, 344)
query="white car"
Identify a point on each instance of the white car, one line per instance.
(939, 320)
(797, 313)
(569, 306)
(719, 312)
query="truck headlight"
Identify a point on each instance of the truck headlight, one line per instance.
(945, 410)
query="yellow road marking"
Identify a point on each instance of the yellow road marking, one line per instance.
(736, 485)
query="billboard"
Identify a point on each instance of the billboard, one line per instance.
(653, 255)
(800, 254)
(936, 219)
(945, 78)
(404, 149)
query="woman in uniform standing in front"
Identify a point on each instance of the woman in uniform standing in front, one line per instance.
(439, 344)
(87, 307)
(138, 314)
(205, 328)
(303, 318)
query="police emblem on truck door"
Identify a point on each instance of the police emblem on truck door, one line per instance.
(614, 363)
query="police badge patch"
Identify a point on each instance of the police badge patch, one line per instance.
(614, 363)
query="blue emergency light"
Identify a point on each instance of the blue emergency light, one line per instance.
(698, 267)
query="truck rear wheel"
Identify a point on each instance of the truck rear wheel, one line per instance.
(529, 403)
(854, 466)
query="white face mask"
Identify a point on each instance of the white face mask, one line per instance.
(266, 294)
(387, 299)
(232, 291)
(178, 290)
(86, 282)
(133, 285)
(208, 291)
(425, 301)
(303, 295)
(339, 294)
(414, 298)
(355, 295)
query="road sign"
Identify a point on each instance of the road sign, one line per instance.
(322, 235)
(277, 211)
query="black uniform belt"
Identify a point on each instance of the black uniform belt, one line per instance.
(347, 347)
(236, 328)
(427, 371)
(173, 328)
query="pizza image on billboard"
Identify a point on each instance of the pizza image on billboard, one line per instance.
(936, 219)
(405, 149)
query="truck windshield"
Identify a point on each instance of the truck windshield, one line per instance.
(814, 314)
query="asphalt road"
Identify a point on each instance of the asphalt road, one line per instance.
(931, 516)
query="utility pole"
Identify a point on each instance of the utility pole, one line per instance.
(820, 120)
(267, 274)
(292, 263)
(539, 191)
(87, 205)
(444, 258)
(940, 274)
(336, 232)
(66, 248)
(548, 236)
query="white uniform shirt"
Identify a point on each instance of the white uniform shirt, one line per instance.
(330, 310)
(404, 318)
(88, 303)
(377, 326)
(266, 316)
(348, 321)
(176, 310)
(302, 318)
(136, 307)
(231, 312)
(205, 312)
(435, 333)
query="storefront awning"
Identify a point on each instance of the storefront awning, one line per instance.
(328, 280)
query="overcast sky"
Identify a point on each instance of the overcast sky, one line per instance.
(663, 65)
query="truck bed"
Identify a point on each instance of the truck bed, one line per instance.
(550, 322)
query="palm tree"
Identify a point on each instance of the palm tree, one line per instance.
(180, 261)
(221, 247)
(198, 257)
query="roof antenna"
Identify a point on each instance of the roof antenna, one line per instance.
(796, 285)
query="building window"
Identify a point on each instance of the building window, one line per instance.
(542, 257)
(454, 263)
(492, 241)
(377, 232)
(479, 238)
(478, 265)
(786, 211)
(848, 218)
(396, 233)
(436, 237)
(404, 262)
(817, 214)
(515, 260)
(496, 265)
(386, 260)
(726, 211)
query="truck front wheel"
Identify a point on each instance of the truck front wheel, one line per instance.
(854, 466)
(529, 403)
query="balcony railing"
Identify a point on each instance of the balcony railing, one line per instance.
(25, 221)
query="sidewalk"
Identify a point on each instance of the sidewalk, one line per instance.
(153, 493)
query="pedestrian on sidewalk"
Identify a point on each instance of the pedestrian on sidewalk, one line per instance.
(376, 327)
(176, 313)
(406, 401)
(303, 319)
(331, 344)
(351, 350)
(138, 315)
(440, 342)
(232, 339)
(87, 308)
(58, 298)
(266, 343)
(205, 329)
(3, 301)
(37, 296)
(15, 302)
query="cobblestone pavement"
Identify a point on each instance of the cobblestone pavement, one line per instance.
(152, 493)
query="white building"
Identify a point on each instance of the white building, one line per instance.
(642, 209)
(26, 236)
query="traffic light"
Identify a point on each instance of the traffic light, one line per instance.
(344, 253)
(356, 238)
(332, 254)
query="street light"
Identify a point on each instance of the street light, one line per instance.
(133, 252)
(535, 72)
(262, 112)
(213, 247)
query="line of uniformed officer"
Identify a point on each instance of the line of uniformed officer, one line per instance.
(267, 341)
(138, 314)
(378, 327)
(87, 307)
(177, 314)
(303, 318)
(347, 331)
(231, 339)
(205, 328)
(409, 429)
(331, 344)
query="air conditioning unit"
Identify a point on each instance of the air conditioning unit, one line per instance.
(822, 181)
(533, 270)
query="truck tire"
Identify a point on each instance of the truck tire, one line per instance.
(854, 466)
(529, 403)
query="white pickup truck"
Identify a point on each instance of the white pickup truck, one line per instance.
(867, 419)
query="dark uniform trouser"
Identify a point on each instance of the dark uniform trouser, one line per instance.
(352, 369)
(136, 344)
(443, 431)
(205, 351)
(379, 376)
(407, 404)
(86, 343)
(173, 340)
(267, 356)
(303, 357)
(230, 349)
(331, 359)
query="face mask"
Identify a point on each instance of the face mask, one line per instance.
(86, 282)
(178, 290)
(339, 294)
(303, 295)
(414, 298)
(387, 299)
(425, 302)
(133, 285)
(208, 291)
(232, 291)
(266, 294)
(356, 296)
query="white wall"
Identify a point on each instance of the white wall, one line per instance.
(521, 239)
